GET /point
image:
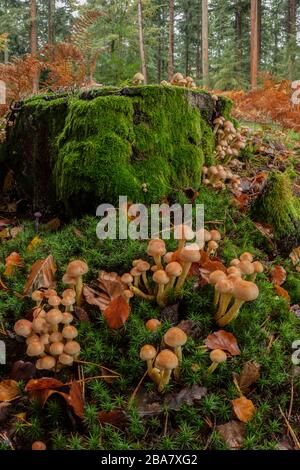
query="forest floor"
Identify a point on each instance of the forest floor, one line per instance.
(116, 406)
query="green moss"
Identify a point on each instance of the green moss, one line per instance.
(279, 207)
(292, 285)
(97, 145)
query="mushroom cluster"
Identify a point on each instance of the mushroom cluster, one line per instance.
(229, 141)
(235, 287)
(50, 336)
(138, 79)
(73, 277)
(161, 365)
(170, 269)
(219, 176)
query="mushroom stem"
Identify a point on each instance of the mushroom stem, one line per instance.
(216, 297)
(231, 314)
(212, 367)
(178, 352)
(224, 302)
(141, 294)
(155, 375)
(145, 280)
(253, 277)
(185, 270)
(157, 259)
(165, 379)
(181, 244)
(78, 288)
(160, 295)
(171, 283)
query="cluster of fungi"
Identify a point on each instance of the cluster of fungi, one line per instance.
(235, 287)
(50, 336)
(229, 140)
(219, 176)
(170, 269)
(160, 366)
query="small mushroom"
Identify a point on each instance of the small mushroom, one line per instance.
(39, 325)
(188, 255)
(65, 359)
(161, 279)
(147, 354)
(246, 257)
(176, 338)
(37, 296)
(76, 269)
(56, 337)
(165, 361)
(56, 348)
(243, 291)
(136, 274)
(212, 247)
(143, 267)
(54, 301)
(214, 278)
(258, 269)
(38, 445)
(35, 348)
(54, 317)
(138, 79)
(45, 363)
(224, 287)
(173, 270)
(72, 348)
(183, 233)
(128, 294)
(23, 328)
(37, 216)
(156, 249)
(127, 279)
(69, 332)
(153, 324)
(217, 356)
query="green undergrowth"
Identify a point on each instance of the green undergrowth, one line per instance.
(265, 331)
(97, 145)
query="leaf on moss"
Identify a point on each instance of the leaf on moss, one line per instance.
(12, 261)
(282, 293)
(34, 243)
(223, 340)
(117, 313)
(278, 275)
(42, 384)
(243, 408)
(76, 400)
(233, 433)
(117, 418)
(41, 276)
(8, 390)
(265, 229)
(295, 256)
(249, 375)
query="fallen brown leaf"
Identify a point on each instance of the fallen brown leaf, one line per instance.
(117, 418)
(42, 384)
(295, 256)
(41, 276)
(117, 313)
(8, 390)
(233, 433)
(12, 261)
(265, 229)
(75, 399)
(81, 314)
(110, 286)
(243, 408)
(282, 292)
(249, 375)
(223, 340)
(278, 275)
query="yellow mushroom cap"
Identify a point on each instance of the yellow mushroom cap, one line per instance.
(156, 248)
(245, 290)
(147, 352)
(168, 257)
(178, 76)
(37, 295)
(69, 293)
(65, 359)
(173, 269)
(215, 235)
(224, 286)
(77, 268)
(143, 266)
(153, 324)
(218, 356)
(166, 359)
(23, 328)
(35, 348)
(54, 316)
(38, 445)
(39, 325)
(67, 279)
(246, 256)
(72, 348)
(45, 363)
(160, 277)
(54, 301)
(190, 254)
(56, 348)
(49, 292)
(258, 267)
(212, 245)
(235, 262)
(55, 337)
(175, 337)
(246, 267)
(234, 270)
(135, 272)
(139, 76)
(69, 332)
(127, 278)
(216, 276)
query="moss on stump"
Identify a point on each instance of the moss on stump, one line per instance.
(91, 147)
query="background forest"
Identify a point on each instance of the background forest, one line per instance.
(210, 40)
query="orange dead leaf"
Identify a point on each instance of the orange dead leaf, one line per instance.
(8, 390)
(12, 261)
(41, 275)
(282, 292)
(243, 408)
(117, 313)
(223, 340)
(278, 275)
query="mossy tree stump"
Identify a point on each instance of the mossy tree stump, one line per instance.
(93, 146)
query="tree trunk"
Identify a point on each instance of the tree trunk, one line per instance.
(239, 33)
(33, 41)
(171, 42)
(254, 43)
(141, 40)
(187, 39)
(198, 50)
(51, 13)
(259, 26)
(205, 43)
(291, 35)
